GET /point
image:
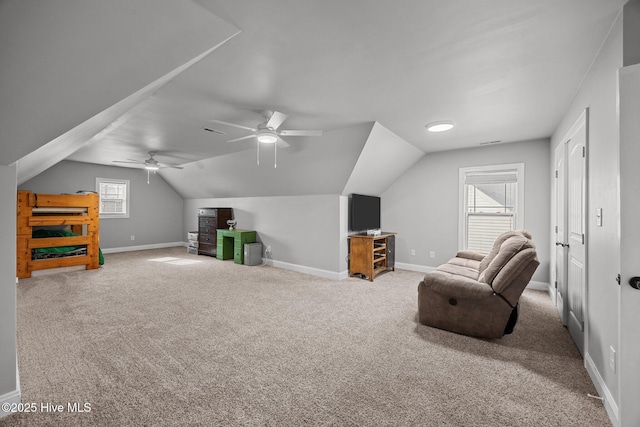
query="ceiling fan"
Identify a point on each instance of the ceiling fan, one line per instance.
(267, 132)
(150, 164)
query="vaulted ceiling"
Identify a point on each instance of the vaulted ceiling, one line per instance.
(97, 81)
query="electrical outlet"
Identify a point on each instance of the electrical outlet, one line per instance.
(413, 252)
(133, 237)
(432, 254)
(612, 359)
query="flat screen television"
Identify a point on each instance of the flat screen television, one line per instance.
(364, 213)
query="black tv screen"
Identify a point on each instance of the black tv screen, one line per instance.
(364, 212)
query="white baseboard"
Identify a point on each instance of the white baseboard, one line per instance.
(538, 286)
(414, 267)
(333, 275)
(609, 402)
(142, 247)
(13, 397)
(552, 294)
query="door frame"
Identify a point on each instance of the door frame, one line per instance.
(562, 299)
(629, 234)
(558, 284)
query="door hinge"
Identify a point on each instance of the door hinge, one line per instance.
(584, 151)
(556, 284)
(556, 174)
(556, 229)
(619, 279)
(583, 238)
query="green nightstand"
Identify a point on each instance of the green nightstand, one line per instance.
(230, 244)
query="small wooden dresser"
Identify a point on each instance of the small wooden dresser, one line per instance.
(371, 255)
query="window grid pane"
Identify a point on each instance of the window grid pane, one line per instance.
(490, 210)
(113, 198)
(482, 230)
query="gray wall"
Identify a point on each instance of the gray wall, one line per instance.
(305, 231)
(156, 209)
(422, 206)
(599, 93)
(8, 282)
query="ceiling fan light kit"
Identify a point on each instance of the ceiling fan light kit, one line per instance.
(150, 164)
(267, 136)
(268, 133)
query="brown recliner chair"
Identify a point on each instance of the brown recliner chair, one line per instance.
(477, 295)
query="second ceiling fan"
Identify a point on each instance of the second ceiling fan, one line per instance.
(268, 132)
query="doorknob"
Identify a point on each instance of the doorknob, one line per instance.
(564, 245)
(635, 282)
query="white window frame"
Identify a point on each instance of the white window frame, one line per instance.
(462, 218)
(127, 185)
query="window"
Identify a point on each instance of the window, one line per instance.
(491, 198)
(114, 197)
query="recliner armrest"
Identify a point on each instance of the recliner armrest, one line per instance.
(456, 286)
(476, 256)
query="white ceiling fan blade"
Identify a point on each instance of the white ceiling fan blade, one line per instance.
(301, 132)
(133, 162)
(282, 143)
(276, 120)
(170, 165)
(241, 138)
(233, 125)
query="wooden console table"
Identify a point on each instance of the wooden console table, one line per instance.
(371, 255)
(230, 244)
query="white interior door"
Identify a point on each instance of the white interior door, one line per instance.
(576, 231)
(560, 267)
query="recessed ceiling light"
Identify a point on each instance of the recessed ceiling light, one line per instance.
(440, 126)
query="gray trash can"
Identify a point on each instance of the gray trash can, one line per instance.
(252, 253)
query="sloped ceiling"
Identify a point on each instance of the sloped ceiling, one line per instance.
(67, 62)
(500, 69)
(383, 159)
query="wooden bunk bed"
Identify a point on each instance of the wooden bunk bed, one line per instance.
(37, 211)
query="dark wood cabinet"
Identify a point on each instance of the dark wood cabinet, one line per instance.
(209, 221)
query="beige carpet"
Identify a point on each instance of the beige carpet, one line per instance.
(214, 343)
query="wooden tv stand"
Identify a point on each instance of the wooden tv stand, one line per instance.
(371, 255)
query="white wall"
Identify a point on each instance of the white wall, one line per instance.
(9, 389)
(155, 211)
(384, 158)
(305, 232)
(629, 301)
(422, 206)
(598, 93)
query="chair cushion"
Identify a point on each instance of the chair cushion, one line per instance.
(454, 285)
(513, 269)
(496, 246)
(465, 262)
(459, 270)
(508, 249)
